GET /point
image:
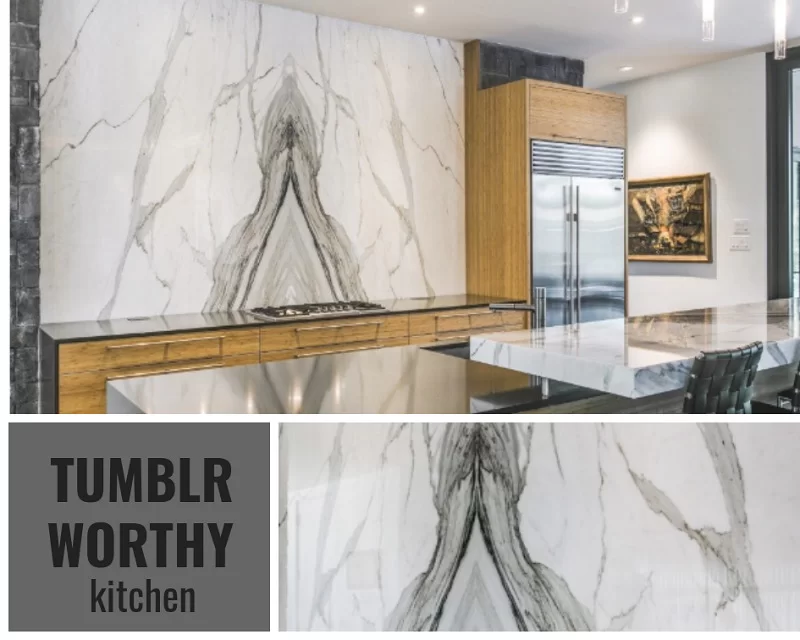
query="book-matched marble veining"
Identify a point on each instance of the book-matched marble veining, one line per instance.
(540, 527)
(225, 154)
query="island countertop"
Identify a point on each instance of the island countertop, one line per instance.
(187, 322)
(401, 380)
(646, 355)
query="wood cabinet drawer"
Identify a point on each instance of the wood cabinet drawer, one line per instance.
(454, 321)
(570, 114)
(327, 350)
(460, 327)
(133, 352)
(367, 330)
(85, 392)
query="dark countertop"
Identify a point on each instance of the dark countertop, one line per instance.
(188, 322)
(402, 380)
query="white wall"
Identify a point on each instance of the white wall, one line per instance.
(705, 119)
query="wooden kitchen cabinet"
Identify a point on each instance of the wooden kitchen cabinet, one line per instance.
(171, 348)
(461, 324)
(85, 392)
(569, 114)
(368, 331)
(85, 367)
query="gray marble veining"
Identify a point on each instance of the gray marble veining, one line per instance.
(494, 526)
(647, 355)
(223, 154)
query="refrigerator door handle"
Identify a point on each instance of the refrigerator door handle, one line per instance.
(566, 253)
(578, 249)
(571, 264)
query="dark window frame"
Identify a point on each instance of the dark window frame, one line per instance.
(779, 173)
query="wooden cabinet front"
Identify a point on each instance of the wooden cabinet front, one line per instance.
(576, 115)
(307, 337)
(461, 324)
(85, 367)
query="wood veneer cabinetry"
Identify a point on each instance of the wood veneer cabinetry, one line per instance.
(84, 368)
(569, 114)
(500, 124)
(454, 326)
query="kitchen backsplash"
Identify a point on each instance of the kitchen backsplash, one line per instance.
(224, 154)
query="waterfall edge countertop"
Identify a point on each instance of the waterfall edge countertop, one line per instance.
(399, 380)
(646, 355)
(88, 330)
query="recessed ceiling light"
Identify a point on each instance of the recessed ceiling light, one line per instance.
(626, 69)
(419, 10)
(637, 20)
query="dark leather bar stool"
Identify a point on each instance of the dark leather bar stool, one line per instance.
(722, 381)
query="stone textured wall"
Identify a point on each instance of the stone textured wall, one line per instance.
(500, 64)
(25, 205)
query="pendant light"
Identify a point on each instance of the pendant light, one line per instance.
(621, 6)
(780, 29)
(708, 20)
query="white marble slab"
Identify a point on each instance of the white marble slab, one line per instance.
(647, 355)
(225, 154)
(540, 527)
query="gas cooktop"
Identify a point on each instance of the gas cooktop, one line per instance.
(321, 309)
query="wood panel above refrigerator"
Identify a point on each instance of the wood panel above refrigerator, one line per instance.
(500, 123)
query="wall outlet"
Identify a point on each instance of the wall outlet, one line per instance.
(740, 243)
(741, 227)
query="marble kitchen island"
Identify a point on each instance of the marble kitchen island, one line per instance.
(645, 356)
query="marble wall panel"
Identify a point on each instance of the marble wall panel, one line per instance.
(540, 527)
(217, 154)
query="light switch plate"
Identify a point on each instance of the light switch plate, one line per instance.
(741, 227)
(740, 243)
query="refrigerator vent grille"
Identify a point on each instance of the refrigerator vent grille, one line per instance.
(577, 160)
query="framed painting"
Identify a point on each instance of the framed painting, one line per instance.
(669, 219)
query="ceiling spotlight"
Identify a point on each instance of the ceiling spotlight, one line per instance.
(708, 20)
(419, 10)
(637, 20)
(621, 6)
(626, 69)
(780, 29)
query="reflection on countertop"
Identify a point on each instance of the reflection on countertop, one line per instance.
(402, 380)
(187, 322)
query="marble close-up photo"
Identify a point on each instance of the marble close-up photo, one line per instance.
(207, 155)
(493, 526)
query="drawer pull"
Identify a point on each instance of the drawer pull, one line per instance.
(443, 338)
(341, 326)
(465, 315)
(145, 374)
(332, 352)
(165, 343)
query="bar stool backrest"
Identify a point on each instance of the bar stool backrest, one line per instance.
(722, 381)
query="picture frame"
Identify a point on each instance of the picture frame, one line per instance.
(669, 219)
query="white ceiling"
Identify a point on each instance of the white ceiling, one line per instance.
(670, 37)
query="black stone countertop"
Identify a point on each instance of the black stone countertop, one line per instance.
(188, 322)
(400, 380)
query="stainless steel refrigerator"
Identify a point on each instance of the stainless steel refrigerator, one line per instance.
(578, 232)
